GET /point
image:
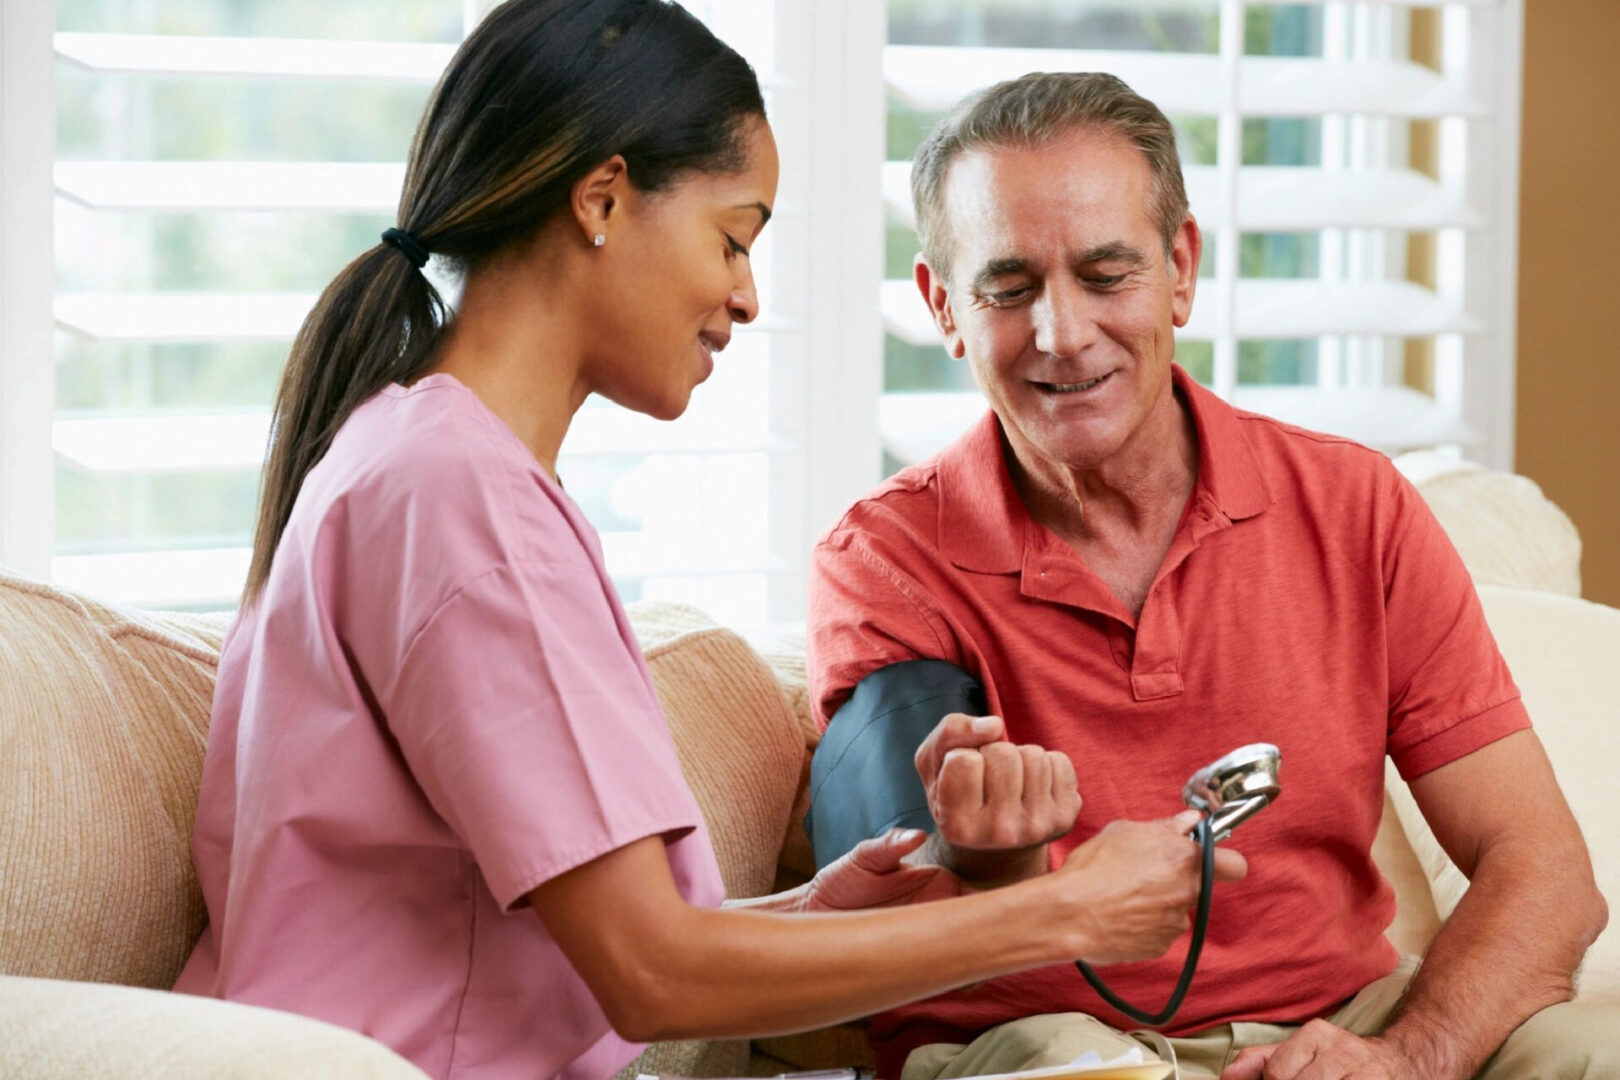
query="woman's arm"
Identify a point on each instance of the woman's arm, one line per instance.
(663, 969)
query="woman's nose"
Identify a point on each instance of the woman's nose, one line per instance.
(743, 303)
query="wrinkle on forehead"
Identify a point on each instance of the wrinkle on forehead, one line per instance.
(1079, 195)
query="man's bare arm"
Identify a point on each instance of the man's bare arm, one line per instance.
(1531, 911)
(1507, 952)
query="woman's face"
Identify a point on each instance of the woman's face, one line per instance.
(677, 278)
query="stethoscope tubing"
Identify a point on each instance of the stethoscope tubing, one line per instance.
(1205, 839)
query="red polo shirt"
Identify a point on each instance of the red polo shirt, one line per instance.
(1308, 599)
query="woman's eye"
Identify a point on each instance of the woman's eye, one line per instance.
(733, 248)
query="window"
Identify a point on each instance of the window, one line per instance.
(212, 163)
(1351, 165)
(216, 163)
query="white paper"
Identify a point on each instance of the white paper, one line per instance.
(1088, 1060)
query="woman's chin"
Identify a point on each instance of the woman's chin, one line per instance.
(669, 408)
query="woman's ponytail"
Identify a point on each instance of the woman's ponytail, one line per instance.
(375, 324)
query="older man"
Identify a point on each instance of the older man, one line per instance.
(1136, 574)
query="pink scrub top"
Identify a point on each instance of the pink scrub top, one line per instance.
(435, 706)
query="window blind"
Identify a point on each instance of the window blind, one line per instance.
(188, 253)
(1353, 168)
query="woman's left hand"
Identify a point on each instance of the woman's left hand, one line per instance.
(874, 875)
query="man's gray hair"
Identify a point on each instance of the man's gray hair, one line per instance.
(1030, 112)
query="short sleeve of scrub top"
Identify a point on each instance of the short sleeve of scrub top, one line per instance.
(524, 717)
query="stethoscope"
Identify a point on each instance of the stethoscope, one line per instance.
(1229, 791)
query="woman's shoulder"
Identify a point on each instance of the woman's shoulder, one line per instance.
(427, 476)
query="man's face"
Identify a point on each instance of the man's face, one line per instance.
(1062, 297)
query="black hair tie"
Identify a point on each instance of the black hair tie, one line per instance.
(407, 244)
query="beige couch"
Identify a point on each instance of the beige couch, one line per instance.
(103, 716)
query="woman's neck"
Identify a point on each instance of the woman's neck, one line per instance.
(518, 347)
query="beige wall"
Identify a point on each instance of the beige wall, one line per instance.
(1569, 273)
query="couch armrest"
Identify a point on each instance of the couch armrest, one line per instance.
(51, 1029)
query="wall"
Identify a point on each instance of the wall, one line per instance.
(1568, 426)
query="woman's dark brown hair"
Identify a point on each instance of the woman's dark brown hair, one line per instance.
(542, 92)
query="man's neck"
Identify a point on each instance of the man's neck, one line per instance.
(1122, 516)
(1135, 490)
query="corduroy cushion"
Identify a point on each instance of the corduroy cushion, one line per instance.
(739, 745)
(1563, 653)
(105, 714)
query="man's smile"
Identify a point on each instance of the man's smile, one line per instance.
(1071, 388)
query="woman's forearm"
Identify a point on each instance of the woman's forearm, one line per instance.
(740, 973)
(663, 969)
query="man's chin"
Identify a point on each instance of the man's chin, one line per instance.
(1077, 446)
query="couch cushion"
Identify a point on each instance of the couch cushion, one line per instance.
(103, 718)
(1416, 919)
(739, 745)
(1563, 652)
(51, 1030)
(1507, 532)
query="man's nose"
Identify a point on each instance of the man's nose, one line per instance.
(1065, 318)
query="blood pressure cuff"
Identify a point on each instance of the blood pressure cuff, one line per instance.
(863, 776)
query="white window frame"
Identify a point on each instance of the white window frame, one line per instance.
(27, 271)
(829, 270)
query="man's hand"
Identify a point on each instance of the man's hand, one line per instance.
(875, 875)
(987, 795)
(1321, 1051)
(1141, 879)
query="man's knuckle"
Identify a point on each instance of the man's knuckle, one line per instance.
(1004, 834)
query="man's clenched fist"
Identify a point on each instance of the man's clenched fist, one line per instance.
(987, 794)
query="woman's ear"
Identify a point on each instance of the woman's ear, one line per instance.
(597, 197)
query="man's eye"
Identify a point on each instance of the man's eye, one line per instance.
(1105, 281)
(1010, 296)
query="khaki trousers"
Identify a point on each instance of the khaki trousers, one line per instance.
(1565, 1042)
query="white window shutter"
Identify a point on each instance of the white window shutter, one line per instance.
(1358, 203)
(710, 509)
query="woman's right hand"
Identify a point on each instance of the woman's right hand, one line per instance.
(1136, 883)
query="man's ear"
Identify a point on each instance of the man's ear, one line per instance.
(598, 195)
(938, 298)
(1185, 255)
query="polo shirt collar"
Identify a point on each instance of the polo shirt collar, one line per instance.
(984, 527)
(1229, 470)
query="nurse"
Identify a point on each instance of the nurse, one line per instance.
(440, 804)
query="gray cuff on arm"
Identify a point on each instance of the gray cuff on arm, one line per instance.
(863, 779)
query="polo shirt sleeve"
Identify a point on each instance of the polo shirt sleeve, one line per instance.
(1450, 692)
(533, 729)
(863, 614)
